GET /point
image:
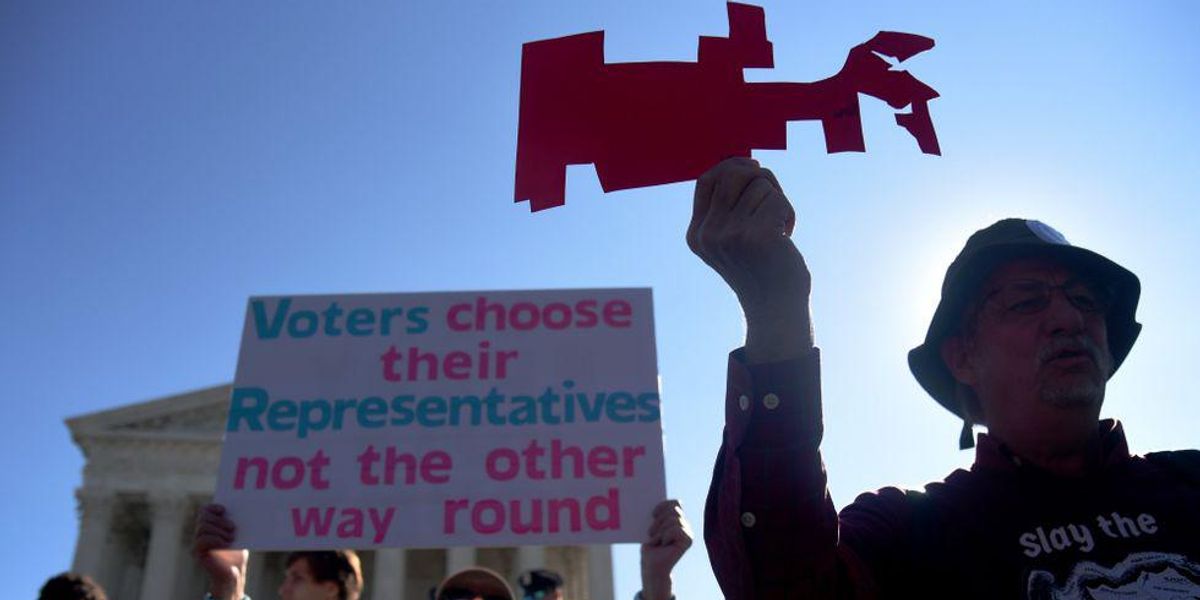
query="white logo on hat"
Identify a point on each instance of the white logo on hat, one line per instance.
(1046, 233)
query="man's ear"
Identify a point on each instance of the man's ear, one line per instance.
(957, 357)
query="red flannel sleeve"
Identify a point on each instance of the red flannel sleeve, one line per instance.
(769, 524)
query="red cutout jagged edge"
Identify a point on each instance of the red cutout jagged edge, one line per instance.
(651, 123)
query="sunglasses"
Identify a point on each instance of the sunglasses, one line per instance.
(467, 594)
(1031, 296)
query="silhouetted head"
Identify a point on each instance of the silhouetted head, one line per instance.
(71, 586)
(541, 584)
(1028, 330)
(474, 583)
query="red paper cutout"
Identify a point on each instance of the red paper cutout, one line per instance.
(661, 122)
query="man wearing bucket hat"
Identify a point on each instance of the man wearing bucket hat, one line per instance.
(1028, 330)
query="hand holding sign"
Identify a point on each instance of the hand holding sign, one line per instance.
(741, 223)
(661, 122)
(224, 565)
(668, 538)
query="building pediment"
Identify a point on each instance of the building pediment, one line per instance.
(198, 415)
(170, 443)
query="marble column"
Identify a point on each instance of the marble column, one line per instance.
(459, 558)
(389, 577)
(600, 572)
(530, 557)
(168, 512)
(92, 550)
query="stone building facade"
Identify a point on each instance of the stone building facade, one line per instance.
(150, 465)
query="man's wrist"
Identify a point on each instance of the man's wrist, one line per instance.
(210, 596)
(216, 593)
(778, 339)
(641, 595)
(656, 588)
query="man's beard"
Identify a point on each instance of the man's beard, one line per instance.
(1078, 388)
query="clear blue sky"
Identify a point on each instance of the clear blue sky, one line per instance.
(160, 162)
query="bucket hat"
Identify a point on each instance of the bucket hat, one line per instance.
(482, 581)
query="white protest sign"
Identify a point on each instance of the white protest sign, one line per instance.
(444, 419)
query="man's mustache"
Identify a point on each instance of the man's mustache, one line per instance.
(1077, 344)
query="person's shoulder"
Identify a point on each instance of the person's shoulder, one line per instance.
(886, 503)
(1187, 455)
(877, 521)
(1184, 464)
(895, 498)
(898, 508)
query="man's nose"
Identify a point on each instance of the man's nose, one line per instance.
(1061, 316)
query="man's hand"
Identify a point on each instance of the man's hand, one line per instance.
(741, 223)
(226, 567)
(668, 538)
